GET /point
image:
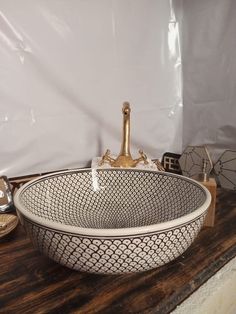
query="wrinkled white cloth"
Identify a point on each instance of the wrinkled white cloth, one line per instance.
(71, 65)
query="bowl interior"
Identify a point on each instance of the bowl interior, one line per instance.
(111, 198)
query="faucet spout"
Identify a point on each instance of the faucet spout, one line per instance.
(125, 145)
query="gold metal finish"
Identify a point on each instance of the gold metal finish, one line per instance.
(124, 159)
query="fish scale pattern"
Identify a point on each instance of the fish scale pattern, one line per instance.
(114, 255)
(111, 198)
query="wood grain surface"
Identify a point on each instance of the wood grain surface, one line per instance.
(31, 283)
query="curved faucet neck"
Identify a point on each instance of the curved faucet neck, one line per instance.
(125, 145)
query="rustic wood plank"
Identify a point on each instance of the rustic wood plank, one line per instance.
(31, 283)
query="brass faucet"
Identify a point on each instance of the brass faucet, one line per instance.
(124, 159)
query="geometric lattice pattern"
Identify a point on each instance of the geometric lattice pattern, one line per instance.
(225, 170)
(191, 161)
(114, 255)
(111, 198)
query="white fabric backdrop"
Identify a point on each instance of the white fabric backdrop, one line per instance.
(67, 67)
(209, 74)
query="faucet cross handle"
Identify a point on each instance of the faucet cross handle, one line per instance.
(143, 157)
(106, 157)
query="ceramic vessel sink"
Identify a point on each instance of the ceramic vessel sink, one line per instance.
(112, 220)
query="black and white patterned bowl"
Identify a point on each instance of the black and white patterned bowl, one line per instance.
(112, 220)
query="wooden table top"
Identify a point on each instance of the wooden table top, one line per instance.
(31, 283)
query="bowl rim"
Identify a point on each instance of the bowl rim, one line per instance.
(116, 232)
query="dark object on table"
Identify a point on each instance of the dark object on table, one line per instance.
(170, 162)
